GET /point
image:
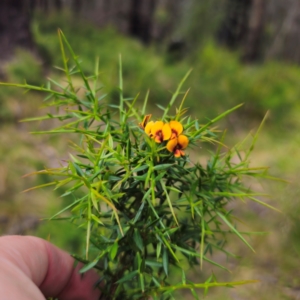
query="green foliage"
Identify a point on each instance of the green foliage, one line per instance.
(140, 68)
(23, 67)
(223, 79)
(145, 206)
(219, 80)
(201, 21)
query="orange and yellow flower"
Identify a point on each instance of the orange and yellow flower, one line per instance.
(176, 128)
(170, 132)
(159, 131)
(177, 145)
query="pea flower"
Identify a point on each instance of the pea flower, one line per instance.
(170, 132)
(176, 145)
(148, 128)
(176, 128)
(159, 131)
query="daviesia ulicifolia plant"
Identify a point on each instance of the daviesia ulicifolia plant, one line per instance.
(146, 206)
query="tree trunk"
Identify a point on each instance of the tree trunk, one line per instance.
(286, 41)
(141, 19)
(252, 48)
(14, 28)
(58, 5)
(234, 27)
(44, 5)
(76, 7)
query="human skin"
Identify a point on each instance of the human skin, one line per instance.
(32, 269)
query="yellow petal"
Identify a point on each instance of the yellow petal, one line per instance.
(171, 145)
(176, 127)
(166, 131)
(149, 127)
(157, 126)
(182, 141)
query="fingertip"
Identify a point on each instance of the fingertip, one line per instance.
(49, 268)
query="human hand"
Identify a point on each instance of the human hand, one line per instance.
(32, 269)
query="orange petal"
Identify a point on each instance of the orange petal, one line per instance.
(166, 131)
(157, 126)
(171, 145)
(145, 121)
(183, 141)
(149, 127)
(176, 127)
(157, 139)
(177, 153)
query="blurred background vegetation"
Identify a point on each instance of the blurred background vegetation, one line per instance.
(241, 51)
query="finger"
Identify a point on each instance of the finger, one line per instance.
(49, 268)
